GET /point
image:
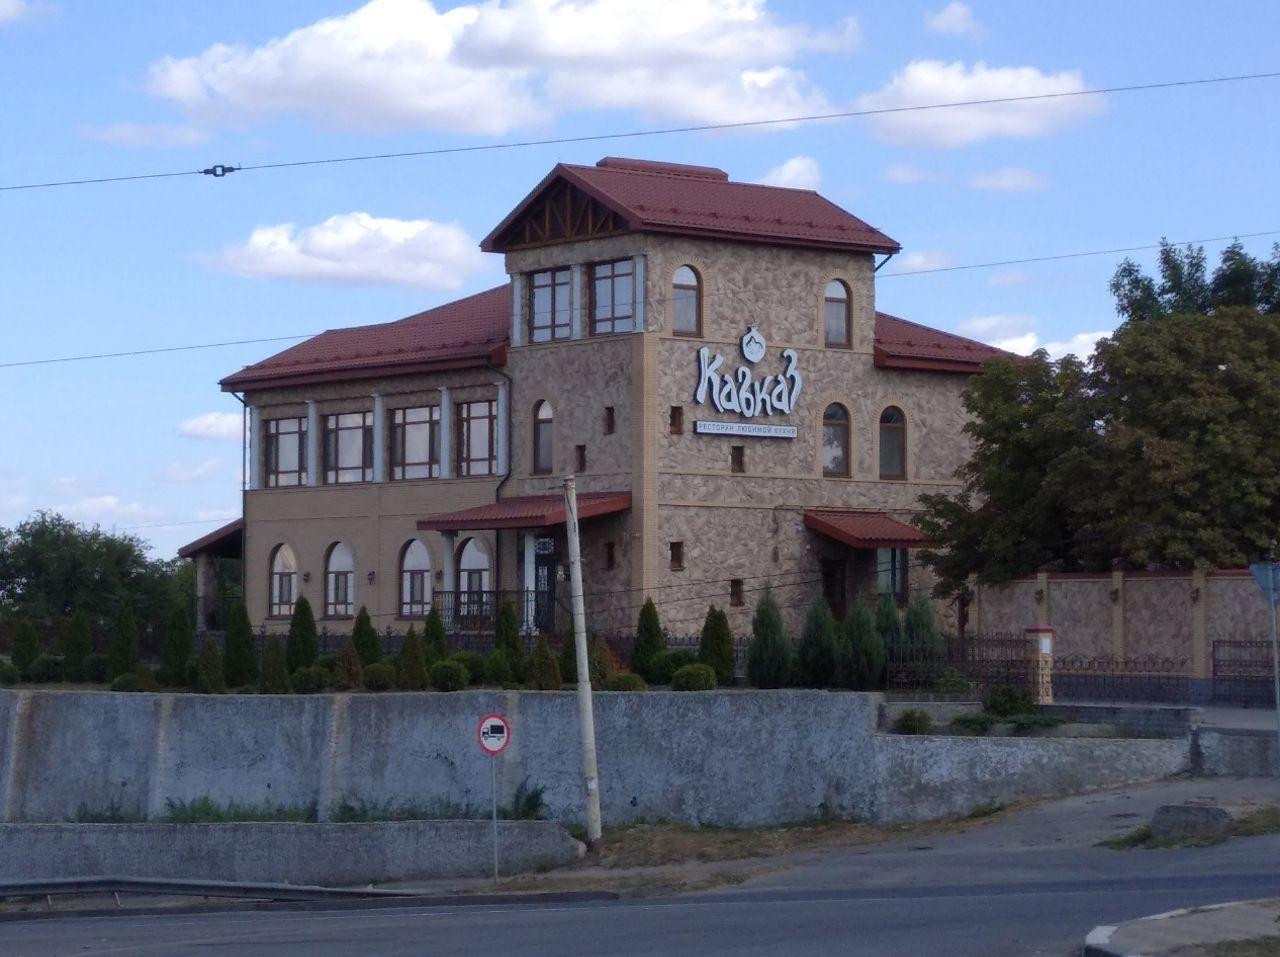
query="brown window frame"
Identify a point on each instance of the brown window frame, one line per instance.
(400, 425)
(580, 459)
(676, 550)
(738, 459)
(333, 608)
(828, 423)
(827, 302)
(560, 283)
(331, 429)
(537, 467)
(610, 420)
(275, 579)
(696, 288)
(736, 597)
(615, 324)
(411, 581)
(675, 421)
(464, 417)
(271, 472)
(901, 428)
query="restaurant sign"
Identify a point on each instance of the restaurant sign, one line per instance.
(740, 391)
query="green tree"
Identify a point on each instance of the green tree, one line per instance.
(365, 637)
(275, 673)
(210, 677)
(769, 654)
(26, 647)
(77, 645)
(241, 664)
(413, 665)
(716, 645)
(817, 648)
(177, 644)
(889, 626)
(303, 644)
(123, 650)
(649, 639)
(435, 644)
(865, 668)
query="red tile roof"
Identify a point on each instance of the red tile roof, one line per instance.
(530, 511)
(463, 333)
(701, 201)
(225, 542)
(901, 344)
(863, 529)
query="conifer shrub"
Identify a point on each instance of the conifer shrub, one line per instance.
(310, 680)
(435, 644)
(303, 643)
(77, 645)
(9, 674)
(96, 669)
(348, 672)
(816, 653)
(365, 637)
(210, 677)
(544, 670)
(913, 721)
(889, 625)
(123, 650)
(449, 675)
(126, 682)
(649, 641)
(46, 669)
(26, 647)
(627, 682)
(473, 661)
(176, 645)
(241, 664)
(412, 666)
(715, 647)
(380, 676)
(506, 638)
(864, 667)
(601, 661)
(275, 673)
(769, 654)
(923, 640)
(497, 667)
(694, 677)
(664, 665)
(327, 662)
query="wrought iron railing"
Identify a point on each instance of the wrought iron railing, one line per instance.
(1242, 673)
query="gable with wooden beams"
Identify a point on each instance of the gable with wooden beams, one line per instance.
(561, 212)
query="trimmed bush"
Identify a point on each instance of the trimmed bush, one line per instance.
(816, 654)
(275, 673)
(951, 681)
(210, 677)
(310, 680)
(328, 662)
(664, 665)
(9, 674)
(77, 645)
(365, 637)
(497, 667)
(1004, 701)
(974, 723)
(241, 664)
(627, 682)
(473, 661)
(146, 679)
(303, 643)
(412, 665)
(46, 669)
(124, 643)
(715, 648)
(26, 647)
(348, 672)
(600, 660)
(694, 677)
(544, 670)
(913, 721)
(97, 669)
(769, 655)
(449, 675)
(649, 641)
(127, 682)
(435, 644)
(1030, 723)
(380, 676)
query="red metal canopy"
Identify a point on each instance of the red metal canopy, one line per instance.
(530, 511)
(859, 529)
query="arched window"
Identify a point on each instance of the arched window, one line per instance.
(686, 302)
(473, 579)
(836, 315)
(284, 581)
(835, 440)
(542, 438)
(415, 580)
(339, 582)
(893, 443)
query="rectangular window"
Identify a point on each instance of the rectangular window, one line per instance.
(285, 452)
(549, 305)
(610, 423)
(415, 443)
(348, 447)
(891, 572)
(478, 438)
(677, 420)
(735, 592)
(737, 459)
(610, 557)
(282, 588)
(414, 601)
(338, 603)
(613, 294)
(580, 458)
(677, 556)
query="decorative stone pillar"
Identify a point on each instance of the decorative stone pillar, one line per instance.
(517, 304)
(640, 294)
(450, 604)
(504, 427)
(254, 476)
(313, 443)
(1040, 655)
(1043, 612)
(446, 434)
(1117, 614)
(578, 318)
(530, 581)
(1201, 660)
(379, 438)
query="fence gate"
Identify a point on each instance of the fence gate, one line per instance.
(1242, 674)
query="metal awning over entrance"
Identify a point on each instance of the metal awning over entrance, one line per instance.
(859, 529)
(225, 542)
(530, 511)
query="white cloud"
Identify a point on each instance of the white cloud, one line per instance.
(147, 135)
(955, 18)
(1009, 277)
(490, 67)
(106, 509)
(928, 259)
(1010, 179)
(1081, 344)
(1015, 332)
(906, 175)
(182, 473)
(932, 81)
(1001, 324)
(362, 249)
(219, 426)
(799, 172)
(11, 10)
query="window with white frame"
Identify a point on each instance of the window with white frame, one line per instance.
(339, 582)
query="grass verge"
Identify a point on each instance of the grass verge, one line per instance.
(1262, 820)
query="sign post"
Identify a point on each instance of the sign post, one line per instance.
(494, 734)
(1267, 575)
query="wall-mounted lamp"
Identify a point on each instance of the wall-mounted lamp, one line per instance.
(1195, 595)
(369, 577)
(306, 576)
(439, 576)
(1039, 596)
(1115, 595)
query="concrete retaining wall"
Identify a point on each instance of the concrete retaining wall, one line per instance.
(725, 757)
(326, 854)
(1234, 753)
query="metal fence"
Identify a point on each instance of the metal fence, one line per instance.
(975, 662)
(623, 644)
(1242, 673)
(1110, 678)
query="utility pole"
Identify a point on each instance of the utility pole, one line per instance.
(586, 717)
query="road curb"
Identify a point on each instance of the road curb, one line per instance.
(1098, 941)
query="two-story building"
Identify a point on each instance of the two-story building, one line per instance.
(706, 358)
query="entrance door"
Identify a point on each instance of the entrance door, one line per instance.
(544, 586)
(833, 585)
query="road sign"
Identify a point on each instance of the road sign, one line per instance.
(1267, 575)
(494, 734)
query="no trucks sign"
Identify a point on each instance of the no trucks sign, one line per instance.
(494, 734)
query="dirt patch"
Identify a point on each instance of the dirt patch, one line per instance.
(1260, 820)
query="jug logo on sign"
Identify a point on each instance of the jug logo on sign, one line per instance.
(740, 391)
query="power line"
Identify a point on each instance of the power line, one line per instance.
(220, 171)
(149, 352)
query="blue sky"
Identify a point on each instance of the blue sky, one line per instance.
(98, 89)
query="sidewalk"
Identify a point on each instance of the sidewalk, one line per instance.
(1240, 929)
